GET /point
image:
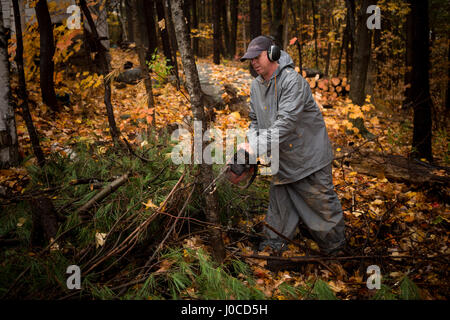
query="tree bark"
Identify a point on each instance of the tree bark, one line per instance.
(447, 96)
(104, 59)
(23, 89)
(47, 50)
(409, 58)
(255, 18)
(276, 30)
(196, 99)
(9, 148)
(168, 52)
(216, 31)
(144, 13)
(344, 45)
(170, 27)
(122, 19)
(225, 29)
(351, 36)
(420, 85)
(234, 21)
(149, 22)
(130, 18)
(285, 24)
(315, 33)
(269, 13)
(299, 33)
(195, 25)
(361, 56)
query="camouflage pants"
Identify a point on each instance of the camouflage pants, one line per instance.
(314, 201)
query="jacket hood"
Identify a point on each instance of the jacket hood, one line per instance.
(284, 61)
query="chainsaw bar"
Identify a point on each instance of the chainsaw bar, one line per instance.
(213, 183)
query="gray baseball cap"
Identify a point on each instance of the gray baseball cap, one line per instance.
(256, 46)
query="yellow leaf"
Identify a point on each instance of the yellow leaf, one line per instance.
(377, 202)
(150, 204)
(374, 121)
(236, 115)
(99, 239)
(21, 222)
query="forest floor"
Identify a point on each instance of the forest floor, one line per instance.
(403, 227)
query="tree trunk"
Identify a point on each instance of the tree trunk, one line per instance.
(9, 150)
(269, 13)
(144, 13)
(276, 30)
(234, 21)
(351, 35)
(226, 30)
(447, 96)
(44, 219)
(47, 50)
(195, 93)
(165, 38)
(23, 89)
(420, 85)
(285, 25)
(216, 31)
(195, 26)
(130, 18)
(255, 18)
(344, 45)
(104, 59)
(122, 19)
(299, 33)
(315, 33)
(149, 22)
(409, 57)
(361, 56)
(170, 27)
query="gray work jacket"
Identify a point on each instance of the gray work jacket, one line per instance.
(304, 146)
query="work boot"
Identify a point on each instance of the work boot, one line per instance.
(275, 244)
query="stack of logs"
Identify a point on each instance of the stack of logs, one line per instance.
(329, 89)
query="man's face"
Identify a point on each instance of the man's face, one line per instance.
(261, 64)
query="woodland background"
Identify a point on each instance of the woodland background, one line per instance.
(85, 139)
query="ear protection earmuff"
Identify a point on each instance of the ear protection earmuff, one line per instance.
(274, 52)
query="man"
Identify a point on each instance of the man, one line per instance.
(281, 102)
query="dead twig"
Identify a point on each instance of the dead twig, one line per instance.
(113, 186)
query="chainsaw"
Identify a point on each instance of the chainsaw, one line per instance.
(235, 173)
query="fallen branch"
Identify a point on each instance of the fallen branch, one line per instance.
(171, 229)
(303, 259)
(113, 186)
(130, 241)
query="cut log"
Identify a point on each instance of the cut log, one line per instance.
(397, 168)
(347, 88)
(335, 81)
(310, 72)
(338, 89)
(322, 85)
